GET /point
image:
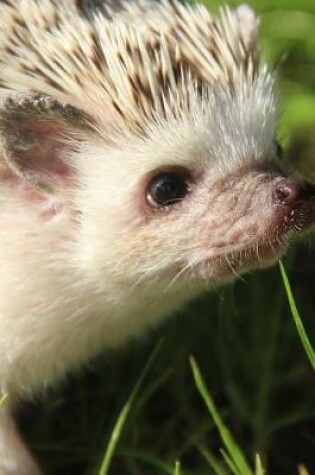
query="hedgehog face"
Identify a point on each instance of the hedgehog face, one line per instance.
(226, 227)
(215, 230)
(171, 211)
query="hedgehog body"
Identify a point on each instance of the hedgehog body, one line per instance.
(138, 167)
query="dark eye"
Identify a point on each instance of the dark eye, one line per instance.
(168, 188)
(279, 150)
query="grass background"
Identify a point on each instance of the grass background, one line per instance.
(242, 336)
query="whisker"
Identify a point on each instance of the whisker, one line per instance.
(177, 276)
(237, 275)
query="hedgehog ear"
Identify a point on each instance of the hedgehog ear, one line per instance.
(38, 135)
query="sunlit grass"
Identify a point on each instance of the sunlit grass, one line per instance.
(177, 469)
(297, 319)
(232, 453)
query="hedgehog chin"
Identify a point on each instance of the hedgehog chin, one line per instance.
(233, 265)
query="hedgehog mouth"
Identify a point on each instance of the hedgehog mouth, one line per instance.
(262, 253)
(260, 256)
(230, 265)
(266, 251)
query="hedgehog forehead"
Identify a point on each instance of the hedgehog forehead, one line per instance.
(219, 131)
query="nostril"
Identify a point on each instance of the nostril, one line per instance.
(287, 193)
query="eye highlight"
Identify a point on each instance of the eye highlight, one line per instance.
(167, 188)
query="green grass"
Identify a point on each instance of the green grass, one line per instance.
(233, 459)
(121, 420)
(256, 381)
(231, 453)
(297, 319)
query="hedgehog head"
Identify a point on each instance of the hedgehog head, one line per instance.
(166, 160)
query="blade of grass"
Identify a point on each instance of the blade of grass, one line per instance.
(211, 460)
(122, 417)
(296, 317)
(177, 469)
(259, 469)
(234, 453)
(229, 462)
(303, 470)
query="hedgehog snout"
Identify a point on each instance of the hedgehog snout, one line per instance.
(296, 198)
(293, 192)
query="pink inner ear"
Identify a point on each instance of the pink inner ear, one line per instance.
(47, 205)
(46, 154)
(39, 171)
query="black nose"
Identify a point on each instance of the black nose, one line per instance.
(290, 192)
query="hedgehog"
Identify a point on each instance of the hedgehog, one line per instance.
(139, 167)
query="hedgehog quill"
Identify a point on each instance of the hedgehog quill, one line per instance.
(139, 167)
